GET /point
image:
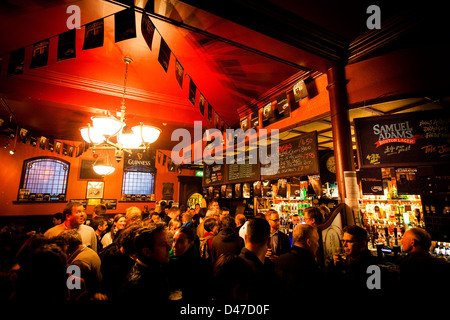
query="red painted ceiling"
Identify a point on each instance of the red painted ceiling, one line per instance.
(231, 63)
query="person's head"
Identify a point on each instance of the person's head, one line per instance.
(354, 240)
(133, 215)
(231, 278)
(186, 217)
(258, 232)
(212, 213)
(227, 222)
(99, 224)
(313, 216)
(69, 240)
(151, 244)
(211, 225)
(174, 213)
(224, 211)
(274, 220)
(239, 219)
(125, 239)
(155, 217)
(183, 240)
(197, 208)
(295, 219)
(73, 214)
(214, 205)
(306, 237)
(43, 276)
(415, 240)
(99, 210)
(119, 222)
(57, 218)
(174, 225)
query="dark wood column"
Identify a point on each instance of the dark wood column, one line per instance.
(340, 123)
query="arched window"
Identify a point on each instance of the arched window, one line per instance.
(138, 180)
(44, 178)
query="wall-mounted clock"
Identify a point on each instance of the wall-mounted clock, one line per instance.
(330, 164)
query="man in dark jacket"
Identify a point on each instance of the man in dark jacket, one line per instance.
(262, 279)
(279, 241)
(227, 240)
(147, 282)
(298, 268)
(350, 273)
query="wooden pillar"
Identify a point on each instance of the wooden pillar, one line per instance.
(342, 140)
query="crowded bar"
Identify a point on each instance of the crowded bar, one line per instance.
(224, 158)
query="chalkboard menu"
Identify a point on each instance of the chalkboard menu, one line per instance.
(296, 157)
(415, 138)
(248, 171)
(213, 174)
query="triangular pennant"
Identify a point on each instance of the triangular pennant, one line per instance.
(40, 54)
(66, 45)
(125, 25)
(164, 55)
(94, 34)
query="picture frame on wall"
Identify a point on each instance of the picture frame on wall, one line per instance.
(94, 189)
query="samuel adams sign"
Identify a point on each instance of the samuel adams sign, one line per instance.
(415, 138)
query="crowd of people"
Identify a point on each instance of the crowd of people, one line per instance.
(202, 254)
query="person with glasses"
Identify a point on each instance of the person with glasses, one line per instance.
(313, 216)
(279, 241)
(349, 271)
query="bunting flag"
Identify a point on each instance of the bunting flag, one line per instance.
(40, 54)
(16, 61)
(66, 45)
(267, 112)
(282, 104)
(58, 147)
(33, 141)
(147, 29)
(179, 72)
(300, 91)
(42, 142)
(201, 104)
(254, 120)
(192, 92)
(94, 34)
(23, 135)
(216, 120)
(164, 55)
(210, 111)
(64, 149)
(51, 144)
(125, 25)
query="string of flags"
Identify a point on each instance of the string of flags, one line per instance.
(59, 147)
(125, 28)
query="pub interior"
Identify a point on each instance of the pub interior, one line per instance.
(169, 111)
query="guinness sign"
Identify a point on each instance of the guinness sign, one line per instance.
(139, 158)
